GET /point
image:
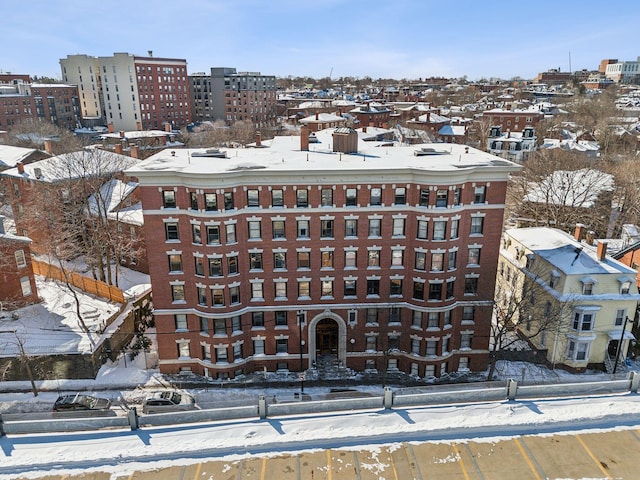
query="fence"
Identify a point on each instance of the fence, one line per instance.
(87, 284)
(50, 423)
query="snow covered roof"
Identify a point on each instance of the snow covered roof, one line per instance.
(10, 155)
(455, 130)
(566, 253)
(322, 118)
(579, 188)
(111, 195)
(133, 134)
(571, 144)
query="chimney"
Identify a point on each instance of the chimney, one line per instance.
(121, 133)
(304, 138)
(258, 139)
(602, 250)
(364, 129)
(134, 151)
(317, 116)
(167, 127)
(111, 128)
(118, 148)
(20, 166)
(579, 231)
(47, 147)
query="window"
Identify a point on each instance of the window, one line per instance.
(210, 202)
(326, 197)
(280, 260)
(303, 228)
(435, 291)
(350, 259)
(418, 291)
(371, 343)
(397, 258)
(326, 228)
(376, 196)
(278, 229)
(219, 326)
(416, 319)
(445, 345)
(398, 227)
(553, 278)
(281, 318)
(465, 340)
(302, 198)
(449, 293)
(479, 194)
(442, 198)
(474, 256)
(196, 233)
(181, 321)
(587, 288)
(253, 198)
(437, 262)
(578, 351)
(280, 289)
(215, 267)
(256, 291)
(373, 258)
(199, 265)
(282, 345)
(471, 285)
(374, 227)
(456, 196)
(423, 230)
(232, 265)
(372, 316)
(183, 349)
(221, 355)
(415, 346)
(326, 259)
(218, 297)
(277, 198)
(213, 235)
(171, 231)
(237, 352)
(234, 295)
(351, 197)
(175, 263)
(255, 261)
(25, 285)
(625, 287)
(327, 288)
(228, 201)
(395, 315)
(454, 229)
(349, 288)
(439, 229)
(304, 260)
(304, 289)
(231, 233)
(373, 287)
(236, 324)
(168, 199)
(451, 264)
(621, 313)
(177, 293)
(476, 225)
(257, 319)
(424, 197)
(400, 196)
(583, 321)
(255, 232)
(421, 261)
(204, 325)
(351, 228)
(258, 347)
(432, 348)
(395, 287)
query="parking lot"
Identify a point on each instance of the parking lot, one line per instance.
(610, 455)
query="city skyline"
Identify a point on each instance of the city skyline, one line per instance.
(338, 38)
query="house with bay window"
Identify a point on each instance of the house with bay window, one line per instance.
(594, 296)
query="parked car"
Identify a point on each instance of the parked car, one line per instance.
(80, 401)
(168, 401)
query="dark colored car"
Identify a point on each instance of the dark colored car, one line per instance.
(79, 401)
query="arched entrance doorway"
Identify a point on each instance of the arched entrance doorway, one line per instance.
(327, 337)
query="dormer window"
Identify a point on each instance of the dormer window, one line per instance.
(554, 276)
(587, 285)
(625, 285)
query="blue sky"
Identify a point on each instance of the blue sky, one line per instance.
(391, 38)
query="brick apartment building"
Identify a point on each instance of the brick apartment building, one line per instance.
(289, 255)
(231, 96)
(131, 92)
(512, 120)
(16, 271)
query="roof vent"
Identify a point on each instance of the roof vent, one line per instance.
(428, 151)
(211, 153)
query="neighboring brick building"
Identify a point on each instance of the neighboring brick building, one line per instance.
(287, 256)
(233, 96)
(16, 272)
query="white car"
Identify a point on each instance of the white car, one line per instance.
(168, 401)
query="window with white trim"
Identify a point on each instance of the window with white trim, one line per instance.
(21, 260)
(584, 320)
(578, 350)
(183, 349)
